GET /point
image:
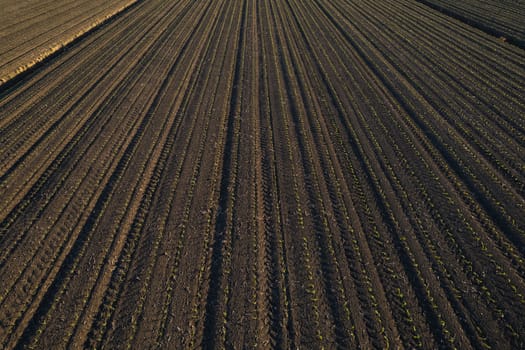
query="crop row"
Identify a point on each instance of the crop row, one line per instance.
(156, 250)
(376, 118)
(500, 18)
(167, 262)
(133, 110)
(427, 180)
(457, 181)
(359, 247)
(34, 30)
(36, 132)
(265, 174)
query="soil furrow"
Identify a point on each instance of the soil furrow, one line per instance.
(260, 174)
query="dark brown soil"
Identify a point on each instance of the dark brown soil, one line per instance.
(266, 174)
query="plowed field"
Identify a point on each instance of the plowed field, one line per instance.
(272, 174)
(32, 30)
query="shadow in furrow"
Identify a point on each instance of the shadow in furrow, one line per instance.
(212, 300)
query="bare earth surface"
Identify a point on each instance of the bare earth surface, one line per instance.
(272, 174)
(503, 18)
(31, 30)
